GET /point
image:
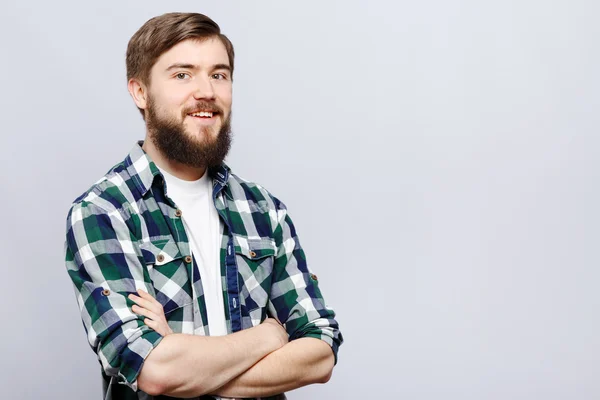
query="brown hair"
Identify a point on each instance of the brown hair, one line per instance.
(161, 33)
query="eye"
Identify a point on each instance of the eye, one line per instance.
(182, 76)
(219, 76)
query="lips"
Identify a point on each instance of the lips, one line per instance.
(203, 114)
(203, 110)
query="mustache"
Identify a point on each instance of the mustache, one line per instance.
(203, 106)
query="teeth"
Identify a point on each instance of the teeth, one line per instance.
(203, 114)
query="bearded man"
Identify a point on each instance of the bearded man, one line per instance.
(191, 281)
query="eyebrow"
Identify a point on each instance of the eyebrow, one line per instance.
(196, 67)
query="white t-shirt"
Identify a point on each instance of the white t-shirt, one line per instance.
(202, 226)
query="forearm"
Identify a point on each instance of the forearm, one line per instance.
(188, 366)
(299, 363)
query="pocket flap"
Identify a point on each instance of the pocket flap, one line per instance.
(254, 248)
(160, 251)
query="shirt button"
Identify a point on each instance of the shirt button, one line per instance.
(188, 259)
(252, 254)
(160, 258)
(178, 213)
(106, 292)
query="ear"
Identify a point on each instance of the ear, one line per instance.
(138, 92)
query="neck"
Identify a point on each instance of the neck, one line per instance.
(181, 171)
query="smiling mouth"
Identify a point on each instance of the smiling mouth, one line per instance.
(204, 114)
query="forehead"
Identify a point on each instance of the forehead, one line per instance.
(204, 53)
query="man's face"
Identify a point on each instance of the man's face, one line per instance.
(189, 103)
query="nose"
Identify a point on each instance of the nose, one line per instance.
(204, 89)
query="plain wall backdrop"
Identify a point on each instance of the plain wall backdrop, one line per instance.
(440, 160)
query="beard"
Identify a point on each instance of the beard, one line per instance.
(170, 137)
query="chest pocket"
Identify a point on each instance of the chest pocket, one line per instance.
(168, 271)
(255, 259)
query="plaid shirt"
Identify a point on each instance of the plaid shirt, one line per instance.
(125, 233)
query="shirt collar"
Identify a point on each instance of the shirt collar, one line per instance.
(143, 170)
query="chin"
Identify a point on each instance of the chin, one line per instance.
(204, 134)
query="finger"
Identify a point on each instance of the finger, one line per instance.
(156, 326)
(139, 301)
(145, 312)
(147, 296)
(142, 293)
(152, 324)
(149, 305)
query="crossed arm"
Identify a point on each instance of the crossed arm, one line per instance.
(255, 362)
(102, 260)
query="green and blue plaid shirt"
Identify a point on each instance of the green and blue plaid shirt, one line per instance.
(125, 234)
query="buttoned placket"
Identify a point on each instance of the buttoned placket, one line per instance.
(232, 285)
(231, 269)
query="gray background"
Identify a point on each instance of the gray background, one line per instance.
(440, 160)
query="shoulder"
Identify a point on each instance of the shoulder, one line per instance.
(253, 193)
(114, 192)
(253, 209)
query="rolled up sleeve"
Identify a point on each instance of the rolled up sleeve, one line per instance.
(295, 293)
(105, 265)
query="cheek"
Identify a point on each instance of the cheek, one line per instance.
(175, 102)
(224, 94)
(173, 98)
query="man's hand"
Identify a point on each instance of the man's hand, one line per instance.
(149, 307)
(272, 335)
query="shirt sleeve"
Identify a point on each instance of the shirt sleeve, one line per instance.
(295, 292)
(105, 264)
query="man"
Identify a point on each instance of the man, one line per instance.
(190, 280)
